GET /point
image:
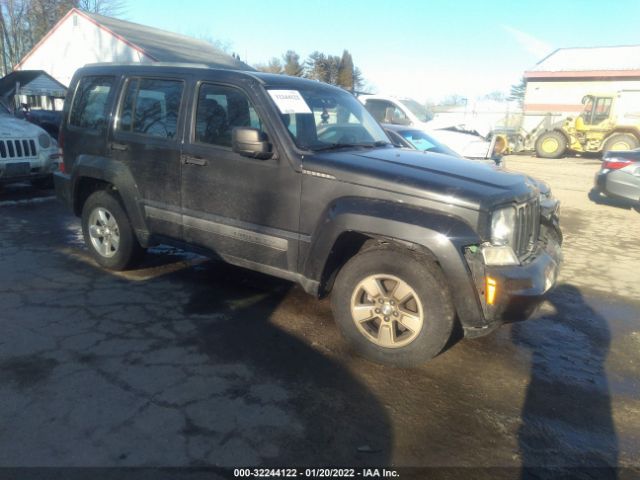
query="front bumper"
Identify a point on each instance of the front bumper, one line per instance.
(519, 289)
(25, 170)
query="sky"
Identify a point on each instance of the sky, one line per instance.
(421, 49)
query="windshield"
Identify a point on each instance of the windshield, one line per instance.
(326, 119)
(418, 110)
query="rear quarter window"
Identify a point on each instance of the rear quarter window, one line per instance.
(89, 107)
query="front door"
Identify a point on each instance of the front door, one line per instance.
(244, 209)
(147, 139)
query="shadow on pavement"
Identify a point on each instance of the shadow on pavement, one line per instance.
(600, 199)
(567, 428)
(183, 369)
(343, 424)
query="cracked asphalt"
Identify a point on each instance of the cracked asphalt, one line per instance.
(190, 362)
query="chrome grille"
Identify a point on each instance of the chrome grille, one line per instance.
(18, 148)
(527, 227)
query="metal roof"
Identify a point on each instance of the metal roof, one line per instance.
(591, 59)
(32, 82)
(164, 46)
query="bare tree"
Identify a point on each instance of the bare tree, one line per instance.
(274, 66)
(16, 35)
(110, 8)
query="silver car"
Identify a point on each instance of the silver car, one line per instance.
(619, 177)
(27, 152)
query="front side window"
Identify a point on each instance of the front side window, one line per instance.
(151, 107)
(220, 109)
(386, 112)
(587, 111)
(89, 108)
(331, 118)
(378, 108)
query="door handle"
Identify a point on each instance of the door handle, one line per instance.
(191, 160)
(121, 147)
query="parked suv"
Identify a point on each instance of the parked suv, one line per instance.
(27, 152)
(296, 179)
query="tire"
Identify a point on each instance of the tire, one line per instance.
(427, 310)
(620, 141)
(43, 183)
(117, 247)
(552, 144)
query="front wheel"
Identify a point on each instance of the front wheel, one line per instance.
(393, 306)
(552, 144)
(108, 233)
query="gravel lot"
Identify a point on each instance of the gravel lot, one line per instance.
(190, 362)
(602, 251)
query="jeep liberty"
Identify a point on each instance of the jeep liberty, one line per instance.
(294, 178)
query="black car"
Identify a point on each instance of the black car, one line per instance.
(294, 178)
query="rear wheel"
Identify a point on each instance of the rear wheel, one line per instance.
(620, 141)
(108, 233)
(393, 306)
(552, 144)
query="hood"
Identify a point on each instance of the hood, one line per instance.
(433, 176)
(11, 127)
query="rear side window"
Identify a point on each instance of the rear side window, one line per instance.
(221, 109)
(151, 107)
(89, 108)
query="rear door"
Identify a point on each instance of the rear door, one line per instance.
(244, 209)
(147, 138)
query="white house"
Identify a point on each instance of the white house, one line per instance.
(557, 84)
(80, 38)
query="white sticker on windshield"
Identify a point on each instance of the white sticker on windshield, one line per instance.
(289, 101)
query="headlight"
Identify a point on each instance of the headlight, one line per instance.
(503, 255)
(44, 140)
(503, 226)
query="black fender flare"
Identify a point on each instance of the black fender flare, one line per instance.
(442, 236)
(117, 174)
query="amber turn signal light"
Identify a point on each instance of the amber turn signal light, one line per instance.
(491, 290)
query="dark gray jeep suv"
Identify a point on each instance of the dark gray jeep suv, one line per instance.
(295, 178)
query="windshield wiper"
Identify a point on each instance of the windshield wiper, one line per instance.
(337, 146)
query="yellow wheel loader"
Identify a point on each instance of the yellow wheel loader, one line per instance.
(607, 122)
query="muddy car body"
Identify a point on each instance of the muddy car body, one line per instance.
(294, 178)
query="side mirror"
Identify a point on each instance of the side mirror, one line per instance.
(251, 142)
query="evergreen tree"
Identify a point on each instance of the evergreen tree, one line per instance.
(517, 92)
(292, 64)
(346, 71)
